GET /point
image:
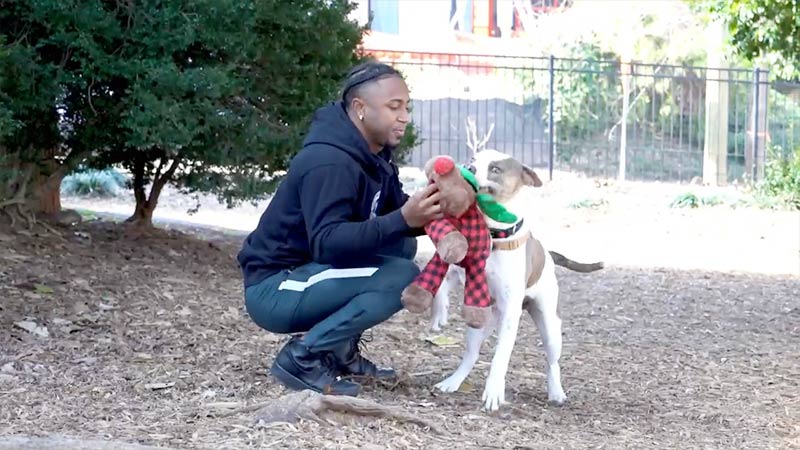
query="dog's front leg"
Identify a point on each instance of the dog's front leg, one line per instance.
(441, 301)
(510, 311)
(475, 338)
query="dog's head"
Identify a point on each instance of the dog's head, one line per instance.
(500, 175)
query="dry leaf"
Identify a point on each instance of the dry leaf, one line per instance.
(42, 289)
(80, 308)
(142, 357)
(442, 340)
(466, 387)
(159, 386)
(33, 328)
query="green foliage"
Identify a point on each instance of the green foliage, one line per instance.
(587, 94)
(29, 93)
(692, 200)
(590, 79)
(94, 183)
(589, 203)
(7, 123)
(782, 177)
(767, 30)
(211, 95)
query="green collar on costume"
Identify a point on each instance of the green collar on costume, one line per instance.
(486, 202)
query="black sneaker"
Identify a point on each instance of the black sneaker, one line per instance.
(350, 361)
(299, 369)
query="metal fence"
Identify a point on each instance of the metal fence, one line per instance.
(746, 119)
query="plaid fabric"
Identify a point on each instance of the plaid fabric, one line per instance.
(474, 228)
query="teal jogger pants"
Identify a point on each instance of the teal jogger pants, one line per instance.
(331, 305)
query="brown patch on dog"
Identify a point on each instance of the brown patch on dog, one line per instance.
(534, 261)
(508, 176)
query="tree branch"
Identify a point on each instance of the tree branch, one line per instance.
(161, 180)
(138, 180)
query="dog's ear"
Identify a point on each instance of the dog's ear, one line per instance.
(529, 177)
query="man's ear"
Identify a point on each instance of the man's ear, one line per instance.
(357, 106)
(529, 177)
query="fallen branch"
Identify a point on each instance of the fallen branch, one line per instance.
(331, 410)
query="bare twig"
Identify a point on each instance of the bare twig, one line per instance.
(51, 230)
(89, 96)
(485, 139)
(473, 143)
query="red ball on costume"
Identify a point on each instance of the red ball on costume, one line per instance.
(443, 166)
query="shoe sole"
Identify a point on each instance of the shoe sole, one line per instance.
(297, 384)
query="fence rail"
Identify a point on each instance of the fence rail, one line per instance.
(666, 122)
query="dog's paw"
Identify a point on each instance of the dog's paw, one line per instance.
(438, 318)
(437, 323)
(494, 395)
(449, 384)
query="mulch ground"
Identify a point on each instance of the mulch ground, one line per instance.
(146, 340)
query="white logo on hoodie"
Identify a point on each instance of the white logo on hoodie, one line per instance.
(373, 212)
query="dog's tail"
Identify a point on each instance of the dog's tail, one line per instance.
(563, 261)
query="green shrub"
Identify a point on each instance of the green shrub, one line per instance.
(692, 200)
(782, 177)
(94, 183)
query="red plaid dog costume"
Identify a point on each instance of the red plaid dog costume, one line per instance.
(473, 226)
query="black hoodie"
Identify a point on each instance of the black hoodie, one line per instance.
(338, 204)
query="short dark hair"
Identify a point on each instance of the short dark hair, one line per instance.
(363, 74)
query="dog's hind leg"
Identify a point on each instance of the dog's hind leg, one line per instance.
(543, 309)
(475, 338)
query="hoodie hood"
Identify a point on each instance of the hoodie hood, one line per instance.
(332, 126)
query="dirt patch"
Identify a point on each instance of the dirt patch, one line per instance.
(145, 341)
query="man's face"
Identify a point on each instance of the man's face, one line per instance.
(385, 107)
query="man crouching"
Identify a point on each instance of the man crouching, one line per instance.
(335, 247)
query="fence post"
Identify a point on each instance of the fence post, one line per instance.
(625, 72)
(756, 89)
(755, 152)
(551, 133)
(715, 142)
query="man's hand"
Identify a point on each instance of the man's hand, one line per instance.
(422, 207)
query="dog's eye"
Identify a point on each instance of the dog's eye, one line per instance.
(472, 168)
(495, 169)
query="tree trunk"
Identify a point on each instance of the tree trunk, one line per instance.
(46, 184)
(49, 196)
(142, 218)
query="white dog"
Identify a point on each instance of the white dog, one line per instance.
(521, 276)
